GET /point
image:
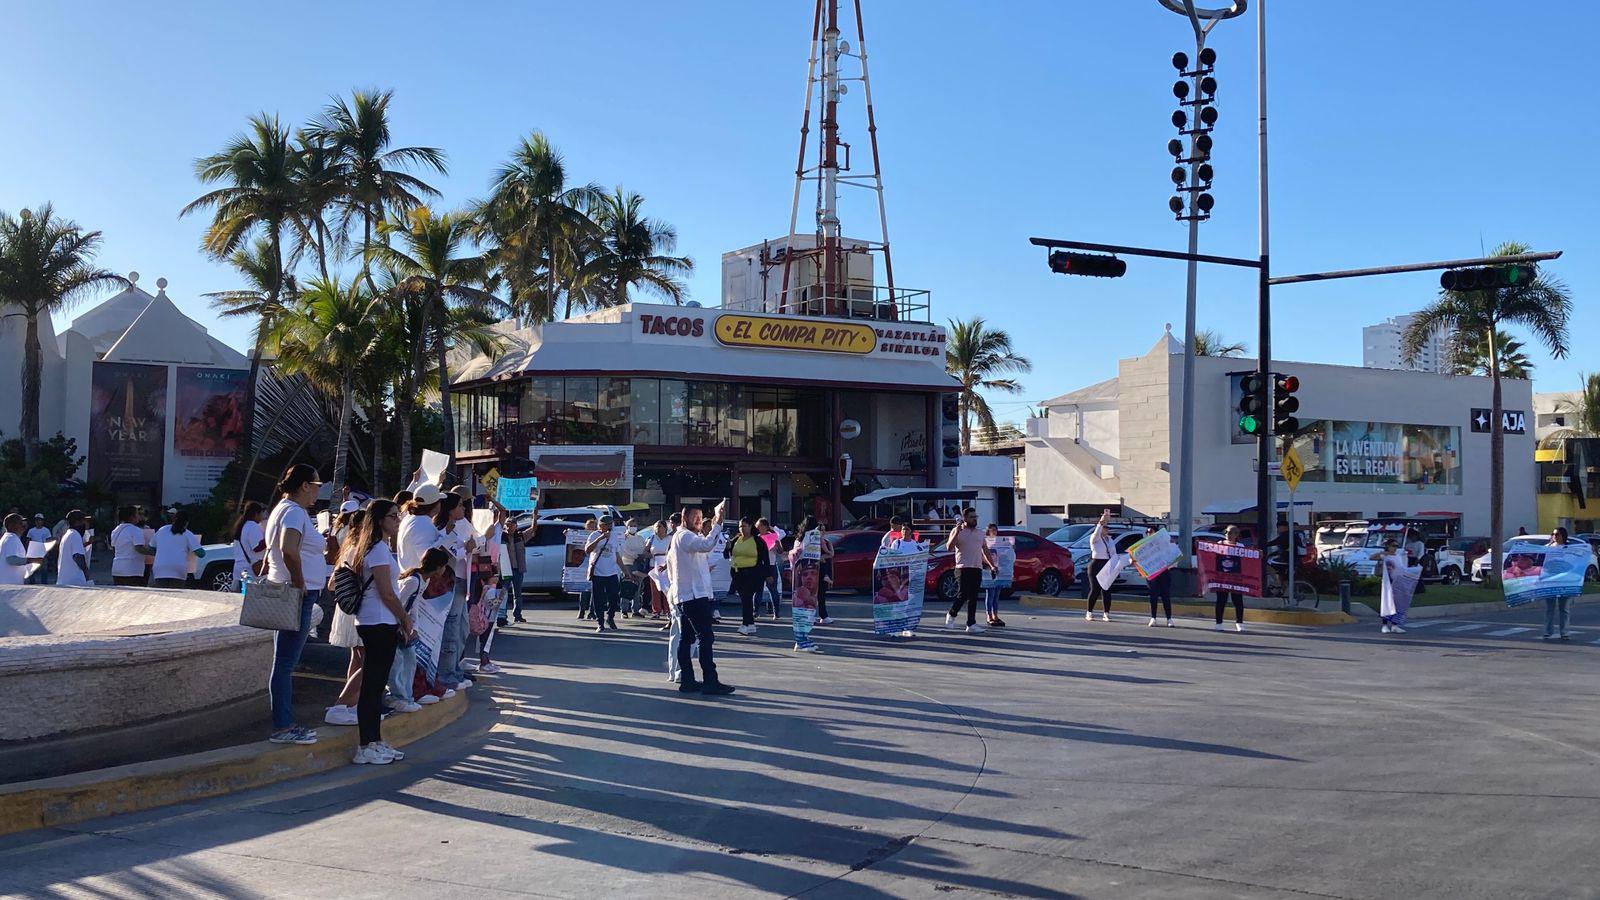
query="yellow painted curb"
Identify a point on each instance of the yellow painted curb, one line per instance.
(65, 799)
(1197, 610)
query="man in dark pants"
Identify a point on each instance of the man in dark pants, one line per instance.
(689, 570)
(972, 557)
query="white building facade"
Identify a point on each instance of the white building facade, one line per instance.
(1375, 442)
(1380, 348)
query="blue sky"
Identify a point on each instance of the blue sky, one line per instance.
(1400, 131)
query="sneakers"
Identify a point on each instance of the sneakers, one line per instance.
(519, 619)
(340, 715)
(1238, 626)
(1105, 617)
(950, 622)
(810, 648)
(407, 707)
(716, 688)
(1219, 626)
(371, 755)
(1089, 616)
(387, 750)
(975, 628)
(600, 628)
(448, 693)
(825, 620)
(716, 618)
(489, 669)
(747, 629)
(1151, 623)
(665, 628)
(293, 735)
(468, 665)
(997, 622)
(1385, 629)
(908, 633)
(463, 684)
(1170, 625)
(427, 699)
(1396, 629)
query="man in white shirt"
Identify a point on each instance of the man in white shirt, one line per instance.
(688, 566)
(604, 551)
(13, 555)
(74, 557)
(128, 547)
(40, 533)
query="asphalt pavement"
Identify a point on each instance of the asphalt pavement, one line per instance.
(1052, 758)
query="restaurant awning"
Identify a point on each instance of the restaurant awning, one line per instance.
(554, 469)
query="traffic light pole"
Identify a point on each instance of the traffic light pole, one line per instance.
(1266, 501)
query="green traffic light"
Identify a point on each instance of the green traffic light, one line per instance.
(1249, 424)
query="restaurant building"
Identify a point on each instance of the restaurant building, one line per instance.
(785, 413)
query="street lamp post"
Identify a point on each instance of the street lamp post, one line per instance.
(1202, 21)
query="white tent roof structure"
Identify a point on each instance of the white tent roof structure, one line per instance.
(135, 327)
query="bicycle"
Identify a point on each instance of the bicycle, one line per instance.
(1303, 590)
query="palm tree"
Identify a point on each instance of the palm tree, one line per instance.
(432, 263)
(1471, 356)
(1542, 306)
(976, 354)
(635, 250)
(537, 225)
(1581, 414)
(321, 188)
(1208, 342)
(326, 335)
(372, 176)
(46, 264)
(261, 192)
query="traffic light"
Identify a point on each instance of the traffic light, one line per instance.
(1252, 404)
(1064, 263)
(1486, 278)
(1284, 405)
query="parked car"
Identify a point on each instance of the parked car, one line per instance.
(1066, 534)
(1480, 566)
(853, 553)
(1043, 567)
(215, 569)
(1333, 534)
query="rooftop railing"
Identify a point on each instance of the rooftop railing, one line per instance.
(859, 301)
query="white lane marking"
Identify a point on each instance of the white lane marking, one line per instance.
(1468, 627)
(1412, 626)
(1508, 631)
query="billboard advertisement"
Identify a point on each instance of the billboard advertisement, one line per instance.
(127, 429)
(207, 427)
(1386, 457)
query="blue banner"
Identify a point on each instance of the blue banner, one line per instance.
(1533, 573)
(517, 494)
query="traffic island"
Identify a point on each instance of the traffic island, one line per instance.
(1196, 608)
(66, 799)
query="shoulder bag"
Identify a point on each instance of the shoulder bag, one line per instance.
(271, 605)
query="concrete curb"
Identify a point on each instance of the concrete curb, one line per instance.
(1198, 610)
(65, 799)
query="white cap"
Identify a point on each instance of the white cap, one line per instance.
(427, 495)
(349, 506)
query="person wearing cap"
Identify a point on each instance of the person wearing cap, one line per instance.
(604, 552)
(40, 533)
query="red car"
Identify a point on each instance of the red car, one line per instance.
(1043, 567)
(853, 553)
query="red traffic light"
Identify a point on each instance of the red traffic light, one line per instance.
(1064, 263)
(1288, 384)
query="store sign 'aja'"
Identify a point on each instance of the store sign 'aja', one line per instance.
(788, 334)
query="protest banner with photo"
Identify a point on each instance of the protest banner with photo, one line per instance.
(807, 579)
(1229, 567)
(1003, 547)
(1154, 554)
(428, 615)
(517, 494)
(575, 568)
(898, 589)
(1538, 573)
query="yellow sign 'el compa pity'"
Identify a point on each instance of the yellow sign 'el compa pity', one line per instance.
(738, 330)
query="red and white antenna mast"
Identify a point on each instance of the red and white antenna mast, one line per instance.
(832, 171)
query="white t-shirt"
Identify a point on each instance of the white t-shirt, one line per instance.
(127, 562)
(11, 545)
(244, 549)
(40, 533)
(605, 553)
(373, 610)
(291, 516)
(172, 552)
(455, 540)
(659, 545)
(71, 575)
(417, 536)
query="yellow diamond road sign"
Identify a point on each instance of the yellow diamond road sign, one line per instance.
(1293, 468)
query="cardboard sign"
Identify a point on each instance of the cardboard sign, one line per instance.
(1155, 554)
(517, 494)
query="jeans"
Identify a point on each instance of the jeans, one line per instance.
(514, 595)
(403, 673)
(378, 642)
(774, 589)
(969, 578)
(1161, 590)
(696, 618)
(286, 647)
(606, 597)
(824, 573)
(450, 642)
(991, 598)
(1557, 612)
(583, 605)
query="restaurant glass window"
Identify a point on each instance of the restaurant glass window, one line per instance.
(734, 428)
(704, 409)
(542, 398)
(611, 412)
(674, 412)
(644, 395)
(580, 410)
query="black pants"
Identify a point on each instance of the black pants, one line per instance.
(1096, 592)
(969, 579)
(607, 597)
(128, 580)
(1161, 589)
(694, 616)
(379, 642)
(1238, 605)
(824, 573)
(747, 583)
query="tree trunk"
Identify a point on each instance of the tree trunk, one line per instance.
(375, 420)
(444, 382)
(1497, 468)
(405, 400)
(341, 450)
(966, 424)
(32, 364)
(322, 248)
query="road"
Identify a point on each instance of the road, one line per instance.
(1054, 758)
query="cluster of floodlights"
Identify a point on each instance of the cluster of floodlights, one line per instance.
(1191, 172)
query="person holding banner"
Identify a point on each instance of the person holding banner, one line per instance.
(1101, 550)
(1230, 538)
(1399, 584)
(1003, 551)
(772, 535)
(412, 585)
(1558, 609)
(805, 564)
(1160, 587)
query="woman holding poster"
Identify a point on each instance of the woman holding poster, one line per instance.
(1399, 583)
(805, 562)
(1230, 538)
(1160, 585)
(1003, 551)
(1558, 609)
(1101, 550)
